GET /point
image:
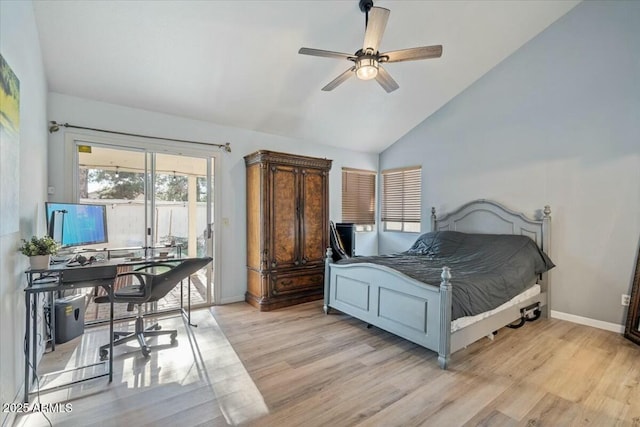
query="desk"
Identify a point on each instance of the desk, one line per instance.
(62, 277)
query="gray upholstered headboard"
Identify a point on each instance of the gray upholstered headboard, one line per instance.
(489, 217)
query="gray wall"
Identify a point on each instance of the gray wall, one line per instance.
(556, 123)
(21, 49)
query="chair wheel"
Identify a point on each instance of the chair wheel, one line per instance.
(146, 351)
(173, 335)
(104, 354)
(158, 327)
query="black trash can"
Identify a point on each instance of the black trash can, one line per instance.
(69, 312)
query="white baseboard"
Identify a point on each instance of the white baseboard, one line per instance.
(231, 300)
(607, 326)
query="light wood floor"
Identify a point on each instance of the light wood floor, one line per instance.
(298, 367)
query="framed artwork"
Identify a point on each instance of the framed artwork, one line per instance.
(9, 148)
(632, 329)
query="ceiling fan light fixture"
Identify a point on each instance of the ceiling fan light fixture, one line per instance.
(367, 67)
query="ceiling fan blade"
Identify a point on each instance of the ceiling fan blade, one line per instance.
(339, 80)
(324, 53)
(385, 80)
(424, 52)
(378, 17)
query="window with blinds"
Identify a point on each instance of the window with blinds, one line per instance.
(401, 199)
(358, 196)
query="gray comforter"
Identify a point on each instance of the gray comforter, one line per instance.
(487, 269)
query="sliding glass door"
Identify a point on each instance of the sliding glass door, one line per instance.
(182, 211)
(116, 177)
(154, 200)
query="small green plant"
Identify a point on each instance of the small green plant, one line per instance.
(44, 245)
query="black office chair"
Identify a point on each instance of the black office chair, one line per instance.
(337, 248)
(149, 287)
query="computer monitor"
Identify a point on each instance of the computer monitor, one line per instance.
(77, 224)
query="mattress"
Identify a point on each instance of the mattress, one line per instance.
(487, 269)
(463, 322)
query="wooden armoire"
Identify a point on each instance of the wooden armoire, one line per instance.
(287, 228)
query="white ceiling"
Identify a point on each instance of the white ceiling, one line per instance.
(235, 63)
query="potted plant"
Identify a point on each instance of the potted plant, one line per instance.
(39, 251)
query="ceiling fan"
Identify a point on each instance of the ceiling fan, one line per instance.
(367, 61)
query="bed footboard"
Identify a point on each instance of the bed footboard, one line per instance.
(394, 302)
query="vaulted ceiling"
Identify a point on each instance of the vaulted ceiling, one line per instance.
(236, 63)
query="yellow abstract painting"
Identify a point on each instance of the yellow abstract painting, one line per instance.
(9, 148)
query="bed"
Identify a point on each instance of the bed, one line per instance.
(422, 312)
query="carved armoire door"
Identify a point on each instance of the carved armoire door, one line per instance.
(282, 241)
(313, 230)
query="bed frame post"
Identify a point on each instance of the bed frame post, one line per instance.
(433, 218)
(444, 352)
(327, 279)
(546, 247)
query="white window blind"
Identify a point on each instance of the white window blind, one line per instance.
(358, 196)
